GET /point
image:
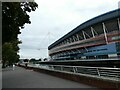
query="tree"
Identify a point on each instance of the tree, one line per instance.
(32, 60)
(9, 55)
(45, 59)
(26, 60)
(40, 59)
(14, 17)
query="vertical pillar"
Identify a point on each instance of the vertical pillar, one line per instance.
(118, 23)
(84, 34)
(86, 49)
(104, 29)
(92, 32)
(70, 40)
(73, 38)
(77, 37)
(64, 42)
(67, 41)
(78, 50)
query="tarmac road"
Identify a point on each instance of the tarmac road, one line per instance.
(22, 78)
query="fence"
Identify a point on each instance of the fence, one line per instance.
(113, 73)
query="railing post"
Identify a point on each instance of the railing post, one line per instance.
(40, 65)
(118, 75)
(52, 67)
(98, 72)
(61, 68)
(74, 70)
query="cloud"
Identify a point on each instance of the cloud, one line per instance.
(55, 18)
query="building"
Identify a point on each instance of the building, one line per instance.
(97, 38)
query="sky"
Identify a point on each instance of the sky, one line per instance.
(55, 18)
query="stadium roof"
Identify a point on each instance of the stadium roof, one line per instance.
(95, 20)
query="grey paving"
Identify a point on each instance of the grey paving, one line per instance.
(22, 78)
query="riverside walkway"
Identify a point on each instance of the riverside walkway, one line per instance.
(23, 78)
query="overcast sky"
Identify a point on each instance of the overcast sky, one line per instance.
(55, 18)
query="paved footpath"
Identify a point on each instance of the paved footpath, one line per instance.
(23, 78)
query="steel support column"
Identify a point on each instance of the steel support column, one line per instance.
(104, 29)
(84, 34)
(77, 37)
(118, 23)
(92, 32)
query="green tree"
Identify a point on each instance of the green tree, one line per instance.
(14, 17)
(33, 60)
(26, 60)
(9, 54)
(40, 59)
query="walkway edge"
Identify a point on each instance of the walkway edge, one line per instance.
(97, 82)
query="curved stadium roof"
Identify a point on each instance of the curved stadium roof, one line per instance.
(98, 19)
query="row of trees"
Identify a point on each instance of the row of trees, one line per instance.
(14, 17)
(35, 60)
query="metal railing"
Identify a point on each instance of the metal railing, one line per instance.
(96, 71)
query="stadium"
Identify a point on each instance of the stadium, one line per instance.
(97, 38)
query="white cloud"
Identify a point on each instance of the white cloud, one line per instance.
(55, 18)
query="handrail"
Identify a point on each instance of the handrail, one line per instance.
(105, 72)
(83, 60)
(87, 67)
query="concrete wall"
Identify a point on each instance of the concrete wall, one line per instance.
(86, 79)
